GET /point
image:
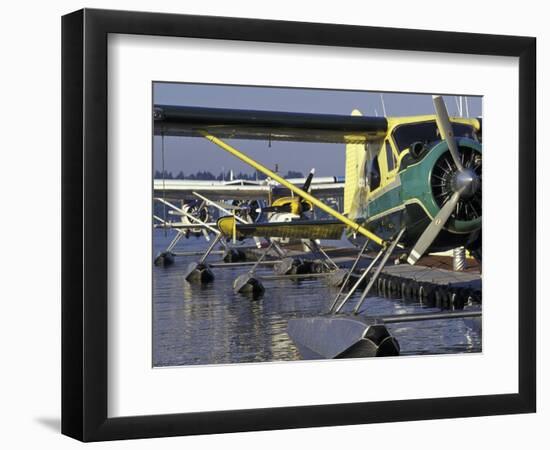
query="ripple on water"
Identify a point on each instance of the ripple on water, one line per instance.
(195, 324)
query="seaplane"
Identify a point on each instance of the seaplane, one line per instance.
(196, 202)
(248, 202)
(412, 186)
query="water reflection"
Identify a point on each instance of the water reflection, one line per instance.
(209, 324)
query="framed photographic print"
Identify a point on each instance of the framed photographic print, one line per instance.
(273, 224)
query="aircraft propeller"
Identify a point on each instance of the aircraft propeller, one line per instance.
(465, 183)
(297, 205)
(446, 129)
(246, 209)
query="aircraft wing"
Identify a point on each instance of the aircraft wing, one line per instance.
(184, 226)
(172, 120)
(297, 229)
(232, 190)
(321, 190)
(214, 190)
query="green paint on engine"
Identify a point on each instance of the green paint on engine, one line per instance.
(412, 185)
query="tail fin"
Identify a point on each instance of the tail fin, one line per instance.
(309, 178)
(354, 158)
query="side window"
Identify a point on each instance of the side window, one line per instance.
(374, 174)
(389, 157)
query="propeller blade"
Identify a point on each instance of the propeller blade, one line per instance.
(233, 207)
(433, 229)
(276, 209)
(307, 183)
(446, 129)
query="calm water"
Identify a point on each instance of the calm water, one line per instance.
(209, 324)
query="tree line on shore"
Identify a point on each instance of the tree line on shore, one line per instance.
(207, 175)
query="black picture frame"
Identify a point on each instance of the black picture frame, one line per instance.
(84, 224)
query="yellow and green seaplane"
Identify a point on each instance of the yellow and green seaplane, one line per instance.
(412, 185)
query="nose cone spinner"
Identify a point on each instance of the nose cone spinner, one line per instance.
(466, 182)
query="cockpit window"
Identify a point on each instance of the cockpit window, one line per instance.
(372, 174)
(389, 157)
(426, 132)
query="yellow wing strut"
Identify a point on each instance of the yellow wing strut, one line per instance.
(310, 198)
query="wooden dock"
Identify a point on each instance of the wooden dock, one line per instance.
(435, 275)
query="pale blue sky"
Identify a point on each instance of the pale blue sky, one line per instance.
(193, 154)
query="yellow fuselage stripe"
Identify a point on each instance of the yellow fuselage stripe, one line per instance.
(246, 159)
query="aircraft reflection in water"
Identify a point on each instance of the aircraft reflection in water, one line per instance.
(412, 187)
(196, 324)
